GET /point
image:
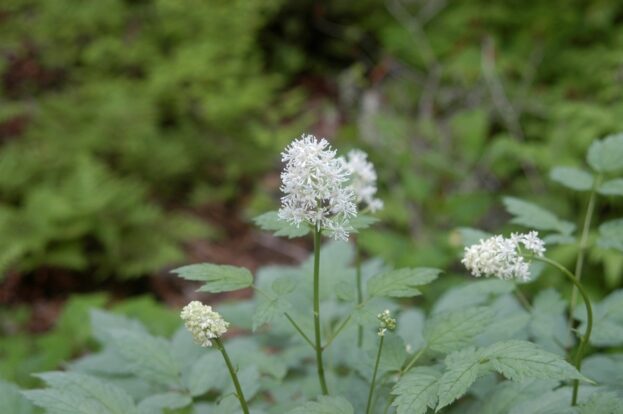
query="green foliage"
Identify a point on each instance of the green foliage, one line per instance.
(137, 106)
(401, 282)
(218, 278)
(271, 222)
(451, 331)
(77, 393)
(533, 216)
(325, 405)
(606, 156)
(573, 178)
(417, 391)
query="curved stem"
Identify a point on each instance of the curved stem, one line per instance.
(318, 345)
(376, 368)
(359, 290)
(579, 264)
(234, 376)
(589, 321)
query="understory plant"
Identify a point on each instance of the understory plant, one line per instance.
(294, 346)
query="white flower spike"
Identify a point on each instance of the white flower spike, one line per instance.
(363, 179)
(203, 323)
(315, 184)
(501, 257)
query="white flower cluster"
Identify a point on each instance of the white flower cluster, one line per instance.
(363, 179)
(387, 322)
(203, 323)
(501, 257)
(315, 184)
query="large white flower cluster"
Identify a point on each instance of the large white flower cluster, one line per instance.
(501, 257)
(315, 184)
(363, 179)
(203, 323)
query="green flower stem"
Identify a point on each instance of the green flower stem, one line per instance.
(299, 330)
(376, 368)
(318, 345)
(234, 376)
(359, 290)
(589, 321)
(579, 264)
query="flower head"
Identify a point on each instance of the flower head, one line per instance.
(203, 323)
(501, 257)
(315, 184)
(387, 322)
(363, 179)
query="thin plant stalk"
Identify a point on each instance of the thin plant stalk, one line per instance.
(373, 382)
(579, 264)
(318, 344)
(359, 290)
(234, 376)
(577, 361)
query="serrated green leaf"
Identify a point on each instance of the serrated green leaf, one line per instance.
(268, 309)
(461, 371)
(345, 291)
(471, 294)
(471, 236)
(284, 285)
(535, 217)
(611, 235)
(607, 320)
(218, 278)
(572, 178)
(417, 391)
(159, 403)
(602, 403)
(508, 394)
(547, 402)
(249, 378)
(102, 323)
(271, 222)
(450, 331)
(325, 405)
(78, 393)
(362, 221)
(548, 324)
(604, 369)
(208, 373)
(606, 155)
(612, 187)
(518, 360)
(12, 401)
(147, 356)
(401, 282)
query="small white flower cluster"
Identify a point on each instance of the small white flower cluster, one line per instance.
(387, 322)
(203, 323)
(501, 257)
(315, 184)
(363, 179)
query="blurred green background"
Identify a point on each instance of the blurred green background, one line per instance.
(136, 135)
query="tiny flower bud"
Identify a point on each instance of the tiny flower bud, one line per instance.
(387, 322)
